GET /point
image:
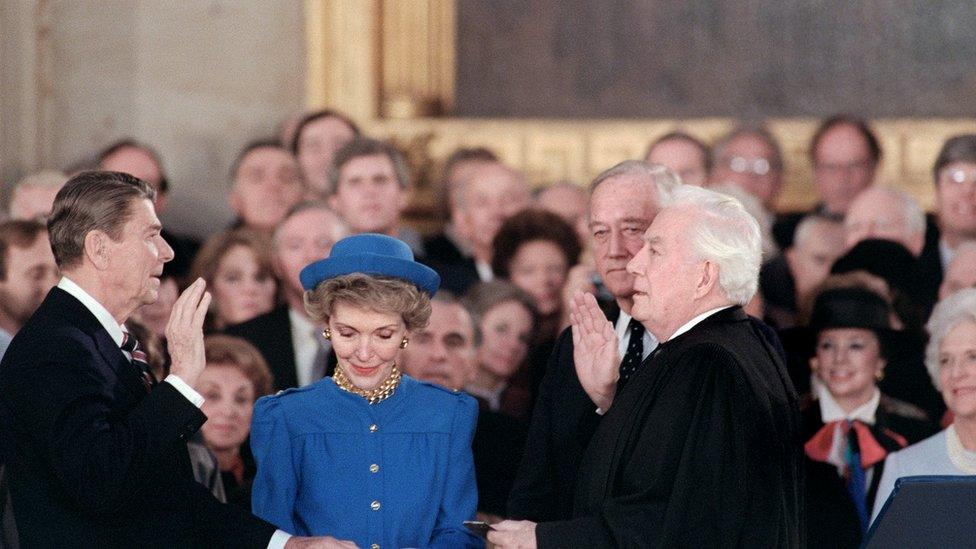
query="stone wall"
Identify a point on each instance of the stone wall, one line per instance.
(197, 79)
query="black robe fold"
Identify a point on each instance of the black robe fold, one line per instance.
(702, 448)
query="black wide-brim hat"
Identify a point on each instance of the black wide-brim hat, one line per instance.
(851, 307)
(372, 254)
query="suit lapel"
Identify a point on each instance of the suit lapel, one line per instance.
(79, 315)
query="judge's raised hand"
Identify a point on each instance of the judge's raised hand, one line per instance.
(513, 534)
(184, 332)
(595, 350)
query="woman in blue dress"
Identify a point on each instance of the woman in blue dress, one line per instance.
(368, 456)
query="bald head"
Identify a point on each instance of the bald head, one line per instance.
(885, 213)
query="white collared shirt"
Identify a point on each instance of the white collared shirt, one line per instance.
(116, 331)
(697, 320)
(484, 271)
(831, 411)
(945, 253)
(306, 347)
(623, 336)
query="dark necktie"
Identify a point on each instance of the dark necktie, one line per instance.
(856, 481)
(635, 351)
(130, 345)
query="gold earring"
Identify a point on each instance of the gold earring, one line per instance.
(403, 344)
(327, 333)
(879, 375)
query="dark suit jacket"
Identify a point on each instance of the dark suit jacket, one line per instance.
(94, 460)
(458, 271)
(271, 334)
(562, 422)
(702, 448)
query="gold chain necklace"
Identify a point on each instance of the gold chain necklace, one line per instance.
(384, 391)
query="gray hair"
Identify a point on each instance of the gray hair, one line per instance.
(912, 214)
(664, 180)
(339, 227)
(950, 312)
(757, 211)
(727, 235)
(809, 221)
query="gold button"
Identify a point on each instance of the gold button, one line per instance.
(375, 505)
(374, 468)
(374, 546)
(373, 428)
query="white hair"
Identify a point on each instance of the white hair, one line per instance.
(913, 216)
(757, 211)
(663, 179)
(727, 235)
(807, 224)
(950, 312)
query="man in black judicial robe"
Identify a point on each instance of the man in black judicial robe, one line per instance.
(702, 447)
(623, 201)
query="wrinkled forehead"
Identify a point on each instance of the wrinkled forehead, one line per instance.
(624, 196)
(446, 318)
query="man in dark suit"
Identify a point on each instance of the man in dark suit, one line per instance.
(95, 445)
(287, 338)
(483, 192)
(623, 202)
(702, 446)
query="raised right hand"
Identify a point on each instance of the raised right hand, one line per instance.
(184, 332)
(595, 350)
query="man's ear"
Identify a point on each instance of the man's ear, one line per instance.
(96, 249)
(707, 278)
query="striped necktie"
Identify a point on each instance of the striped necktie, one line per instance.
(131, 346)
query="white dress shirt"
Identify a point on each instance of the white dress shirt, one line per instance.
(116, 331)
(622, 329)
(306, 346)
(105, 318)
(695, 321)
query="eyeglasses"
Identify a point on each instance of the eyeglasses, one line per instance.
(958, 176)
(756, 166)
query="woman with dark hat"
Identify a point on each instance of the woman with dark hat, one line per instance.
(368, 456)
(848, 424)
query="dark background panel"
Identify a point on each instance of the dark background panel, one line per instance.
(692, 58)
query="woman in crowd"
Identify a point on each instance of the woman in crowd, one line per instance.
(951, 360)
(235, 376)
(368, 456)
(849, 424)
(505, 319)
(534, 250)
(237, 266)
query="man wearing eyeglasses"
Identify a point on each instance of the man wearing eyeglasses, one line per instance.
(749, 157)
(845, 155)
(955, 203)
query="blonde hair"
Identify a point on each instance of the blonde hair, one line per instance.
(378, 293)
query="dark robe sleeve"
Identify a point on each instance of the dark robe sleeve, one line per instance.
(532, 491)
(687, 467)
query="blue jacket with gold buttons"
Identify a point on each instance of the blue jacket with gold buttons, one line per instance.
(398, 473)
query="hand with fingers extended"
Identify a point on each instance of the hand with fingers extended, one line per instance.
(595, 350)
(323, 542)
(513, 534)
(184, 332)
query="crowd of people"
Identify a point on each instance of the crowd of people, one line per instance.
(595, 364)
